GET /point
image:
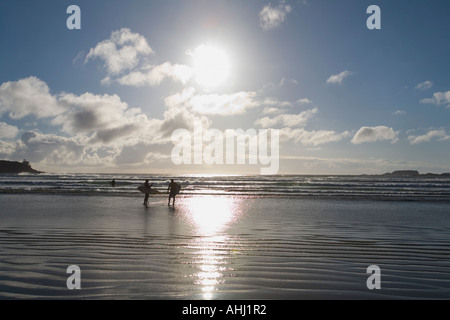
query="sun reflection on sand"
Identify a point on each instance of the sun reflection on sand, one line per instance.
(211, 262)
(211, 216)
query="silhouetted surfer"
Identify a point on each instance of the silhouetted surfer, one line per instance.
(173, 190)
(147, 185)
(113, 183)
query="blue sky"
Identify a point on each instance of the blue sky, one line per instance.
(107, 97)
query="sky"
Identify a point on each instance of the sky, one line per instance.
(110, 96)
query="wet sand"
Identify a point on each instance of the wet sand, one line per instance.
(222, 247)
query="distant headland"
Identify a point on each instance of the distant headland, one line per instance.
(413, 173)
(16, 167)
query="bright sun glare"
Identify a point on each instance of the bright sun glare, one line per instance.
(211, 66)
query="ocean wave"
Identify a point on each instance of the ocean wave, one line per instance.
(343, 187)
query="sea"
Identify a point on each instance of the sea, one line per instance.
(241, 237)
(357, 187)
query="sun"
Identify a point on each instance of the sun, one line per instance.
(211, 66)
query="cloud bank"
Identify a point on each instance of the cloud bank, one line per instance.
(213, 104)
(312, 138)
(90, 129)
(440, 135)
(292, 128)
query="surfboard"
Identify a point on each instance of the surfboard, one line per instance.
(178, 189)
(144, 189)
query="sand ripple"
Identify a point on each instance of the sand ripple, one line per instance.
(118, 265)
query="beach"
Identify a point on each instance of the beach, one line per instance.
(222, 247)
(307, 143)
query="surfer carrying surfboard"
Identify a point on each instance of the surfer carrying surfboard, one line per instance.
(147, 185)
(173, 189)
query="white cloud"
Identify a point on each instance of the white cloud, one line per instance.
(273, 106)
(225, 104)
(287, 120)
(6, 149)
(273, 102)
(29, 96)
(424, 85)
(125, 57)
(54, 149)
(213, 104)
(439, 98)
(121, 51)
(304, 101)
(154, 75)
(90, 112)
(180, 118)
(399, 113)
(372, 134)
(441, 135)
(312, 138)
(338, 78)
(282, 83)
(285, 81)
(290, 130)
(107, 120)
(8, 131)
(271, 17)
(102, 118)
(271, 110)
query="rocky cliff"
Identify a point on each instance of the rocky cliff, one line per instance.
(15, 167)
